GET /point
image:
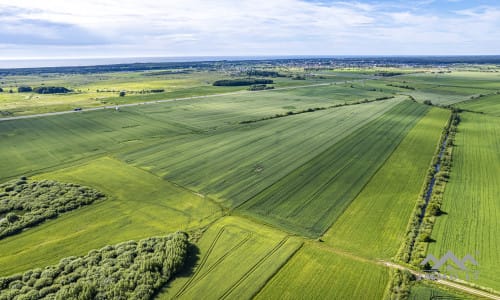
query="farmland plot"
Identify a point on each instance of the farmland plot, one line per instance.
(310, 198)
(471, 223)
(236, 259)
(385, 204)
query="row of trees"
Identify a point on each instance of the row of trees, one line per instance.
(241, 82)
(264, 73)
(130, 270)
(43, 90)
(26, 203)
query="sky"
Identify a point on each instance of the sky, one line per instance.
(150, 28)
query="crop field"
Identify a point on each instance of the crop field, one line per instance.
(316, 272)
(314, 195)
(471, 224)
(251, 253)
(385, 204)
(302, 189)
(234, 165)
(489, 105)
(139, 205)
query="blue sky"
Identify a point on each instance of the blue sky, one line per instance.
(121, 28)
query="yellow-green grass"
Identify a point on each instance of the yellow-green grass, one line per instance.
(310, 198)
(426, 291)
(489, 105)
(236, 163)
(471, 224)
(103, 89)
(236, 258)
(139, 205)
(374, 224)
(316, 272)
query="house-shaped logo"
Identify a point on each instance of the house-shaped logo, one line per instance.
(447, 260)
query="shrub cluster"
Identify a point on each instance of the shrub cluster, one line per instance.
(26, 203)
(241, 82)
(51, 90)
(264, 73)
(260, 87)
(401, 86)
(130, 270)
(24, 89)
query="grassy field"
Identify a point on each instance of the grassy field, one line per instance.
(386, 203)
(422, 291)
(310, 198)
(103, 89)
(235, 163)
(471, 224)
(489, 105)
(317, 273)
(236, 258)
(139, 205)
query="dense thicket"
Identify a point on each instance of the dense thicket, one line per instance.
(264, 73)
(130, 270)
(24, 89)
(51, 90)
(241, 82)
(25, 203)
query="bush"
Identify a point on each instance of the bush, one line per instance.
(24, 89)
(144, 274)
(51, 90)
(241, 82)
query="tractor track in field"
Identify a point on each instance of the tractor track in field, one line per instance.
(254, 267)
(196, 275)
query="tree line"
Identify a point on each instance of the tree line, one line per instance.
(25, 204)
(129, 270)
(43, 90)
(241, 82)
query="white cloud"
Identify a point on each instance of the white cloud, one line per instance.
(226, 27)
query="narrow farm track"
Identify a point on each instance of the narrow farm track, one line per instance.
(447, 283)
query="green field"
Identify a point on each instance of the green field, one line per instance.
(386, 203)
(235, 163)
(424, 291)
(316, 272)
(471, 224)
(489, 105)
(237, 257)
(139, 205)
(315, 194)
(297, 192)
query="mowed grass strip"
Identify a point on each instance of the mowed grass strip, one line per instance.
(471, 224)
(313, 196)
(235, 164)
(139, 205)
(236, 259)
(374, 224)
(317, 273)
